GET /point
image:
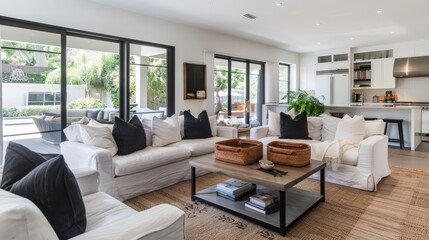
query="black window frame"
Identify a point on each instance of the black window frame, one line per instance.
(261, 83)
(288, 83)
(124, 80)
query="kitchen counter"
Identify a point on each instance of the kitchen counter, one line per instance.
(411, 115)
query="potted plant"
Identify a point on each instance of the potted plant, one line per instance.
(302, 101)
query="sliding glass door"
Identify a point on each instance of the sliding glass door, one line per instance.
(28, 58)
(238, 89)
(148, 81)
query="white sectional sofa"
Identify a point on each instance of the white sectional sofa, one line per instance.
(146, 170)
(361, 166)
(107, 218)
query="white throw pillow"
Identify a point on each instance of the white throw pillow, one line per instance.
(374, 127)
(165, 131)
(99, 137)
(314, 126)
(274, 121)
(351, 130)
(329, 128)
(94, 123)
(147, 125)
(72, 133)
(21, 219)
(213, 125)
(181, 120)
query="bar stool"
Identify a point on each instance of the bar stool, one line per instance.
(370, 118)
(400, 140)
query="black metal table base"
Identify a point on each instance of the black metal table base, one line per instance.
(279, 221)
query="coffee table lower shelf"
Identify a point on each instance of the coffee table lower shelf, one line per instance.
(297, 202)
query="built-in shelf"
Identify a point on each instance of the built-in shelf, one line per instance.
(365, 56)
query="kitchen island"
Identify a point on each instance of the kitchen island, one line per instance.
(411, 115)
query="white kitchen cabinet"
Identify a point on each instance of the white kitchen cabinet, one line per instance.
(425, 121)
(382, 74)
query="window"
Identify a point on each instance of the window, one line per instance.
(43, 98)
(284, 82)
(238, 88)
(67, 73)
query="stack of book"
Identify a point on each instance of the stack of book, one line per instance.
(233, 189)
(263, 202)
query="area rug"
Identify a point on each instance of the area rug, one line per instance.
(399, 210)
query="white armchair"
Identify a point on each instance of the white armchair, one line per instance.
(107, 218)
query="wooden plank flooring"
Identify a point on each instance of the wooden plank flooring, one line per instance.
(418, 159)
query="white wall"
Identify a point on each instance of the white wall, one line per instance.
(189, 42)
(15, 94)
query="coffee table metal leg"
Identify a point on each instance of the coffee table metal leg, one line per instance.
(282, 228)
(193, 183)
(322, 183)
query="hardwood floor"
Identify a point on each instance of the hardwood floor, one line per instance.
(418, 159)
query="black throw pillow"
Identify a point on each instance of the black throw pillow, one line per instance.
(129, 136)
(53, 188)
(293, 128)
(19, 161)
(197, 127)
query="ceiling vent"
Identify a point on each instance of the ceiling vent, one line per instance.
(249, 16)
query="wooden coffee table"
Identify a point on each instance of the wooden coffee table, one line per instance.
(294, 202)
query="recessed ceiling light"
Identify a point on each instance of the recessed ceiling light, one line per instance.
(380, 11)
(279, 4)
(352, 38)
(318, 24)
(318, 43)
(208, 3)
(392, 32)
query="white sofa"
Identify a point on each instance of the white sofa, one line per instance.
(143, 171)
(361, 167)
(107, 218)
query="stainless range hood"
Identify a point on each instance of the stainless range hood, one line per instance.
(411, 67)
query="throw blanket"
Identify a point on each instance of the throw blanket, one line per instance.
(330, 151)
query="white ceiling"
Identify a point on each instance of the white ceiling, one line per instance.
(292, 26)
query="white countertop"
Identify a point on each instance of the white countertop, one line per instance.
(376, 106)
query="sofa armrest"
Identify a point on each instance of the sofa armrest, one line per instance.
(227, 132)
(372, 157)
(87, 179)
(79, 155)
(258, 132)
(160, 222)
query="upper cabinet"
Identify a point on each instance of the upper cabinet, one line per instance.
(373, 70)
(333, 61)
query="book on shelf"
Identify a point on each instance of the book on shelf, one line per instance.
(233, 186)
(266, 210)
(234, 197)
(263, 199)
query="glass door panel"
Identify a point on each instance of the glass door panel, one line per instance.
(92, 80)
(30, 103)
(255, 77)
(148, 81)
(238, 90)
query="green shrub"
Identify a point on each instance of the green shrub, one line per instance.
(25, 111)
(86, 103)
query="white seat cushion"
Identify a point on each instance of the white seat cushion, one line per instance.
(198, 147)
(350, 157)
(102, 209)
(148, 158)
(21, 219)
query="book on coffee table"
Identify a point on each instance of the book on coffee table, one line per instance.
(233, 186)
(263, 199)
(265, 210)
(235, 197)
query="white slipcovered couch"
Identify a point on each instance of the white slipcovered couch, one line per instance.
(146, 170)
(361, 166)
(107, 218)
